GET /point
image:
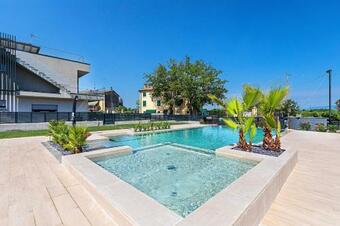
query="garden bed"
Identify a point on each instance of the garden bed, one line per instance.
(55, 150)
(259, 150)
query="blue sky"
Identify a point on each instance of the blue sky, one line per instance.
(255, 42)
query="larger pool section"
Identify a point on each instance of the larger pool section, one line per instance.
(180, 178)
(209, 137)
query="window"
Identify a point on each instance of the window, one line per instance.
(144, 103)
(158, 103)
(44, 108)
(144, 94)
(2, 104)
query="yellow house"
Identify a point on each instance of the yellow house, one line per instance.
(148, 104)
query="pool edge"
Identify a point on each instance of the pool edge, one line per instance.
(243, 202)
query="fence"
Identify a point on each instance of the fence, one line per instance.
(36, 117)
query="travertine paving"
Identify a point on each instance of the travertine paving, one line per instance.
(311, 195)
(36, 190)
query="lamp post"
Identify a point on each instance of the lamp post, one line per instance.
(329, 72)
(74, 110)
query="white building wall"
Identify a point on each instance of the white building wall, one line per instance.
(62, 71)
(64, 105)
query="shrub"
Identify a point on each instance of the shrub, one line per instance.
(321, 127)
(77, 139)
(316, 114)
(332, 128)
(305, 126)
(140, 127)
(59, 132)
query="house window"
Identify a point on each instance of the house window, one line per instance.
(44, 108)
(158, 103)
(2, 104)
(144, 94)
(144, 103)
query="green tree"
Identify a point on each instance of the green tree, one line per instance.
(186, 82)
(338, 104)
(289, 107)
(237, 108)
(270, 103)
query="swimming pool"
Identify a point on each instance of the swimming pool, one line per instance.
(209, 137)
(178, 177)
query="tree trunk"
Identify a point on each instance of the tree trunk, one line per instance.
(277, 143)
(242, 143)
(268, 141)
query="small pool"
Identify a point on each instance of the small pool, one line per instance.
(180, 178)
(210, 137)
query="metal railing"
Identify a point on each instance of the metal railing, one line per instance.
(37, 117)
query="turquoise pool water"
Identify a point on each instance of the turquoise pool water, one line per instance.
(211, 137)
(179, 178)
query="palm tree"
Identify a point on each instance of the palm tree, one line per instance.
(272, 101)
(77, 139)
(237, 109)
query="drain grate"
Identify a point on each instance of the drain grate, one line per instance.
(171, 167)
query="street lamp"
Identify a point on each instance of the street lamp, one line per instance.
(329, 72)
(74, 110)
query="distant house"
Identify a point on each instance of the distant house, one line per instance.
(110, 99)
(150, 104)
(34, 82)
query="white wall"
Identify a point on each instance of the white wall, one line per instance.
(62, 71)
(64, 105)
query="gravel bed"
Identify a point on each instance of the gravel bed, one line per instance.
(259, 150)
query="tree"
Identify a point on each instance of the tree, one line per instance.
(200, 79)
(289, 107)
(237, 107)
(338, 104)
(186, 82)
(270, 103)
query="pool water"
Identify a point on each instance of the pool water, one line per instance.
(180, 178)
(210, 137)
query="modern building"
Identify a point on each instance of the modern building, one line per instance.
(150, 104)
(31, 81)
(110, 100)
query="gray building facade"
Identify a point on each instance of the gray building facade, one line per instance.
(38, 82)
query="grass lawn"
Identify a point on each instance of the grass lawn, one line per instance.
(33, 133)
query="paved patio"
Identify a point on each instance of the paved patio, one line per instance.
(37, 190)
(311, 195)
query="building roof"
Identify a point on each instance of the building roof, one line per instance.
(98, 91)
(21, 46)
(146, 88)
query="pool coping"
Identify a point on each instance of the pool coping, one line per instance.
(243, 202)
(106, 135)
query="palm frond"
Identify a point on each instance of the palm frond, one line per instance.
(216, 100)
(232, 124)
(252, 96)
(248, 123)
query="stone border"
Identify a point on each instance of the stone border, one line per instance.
(126, 204)
(243, 202)
(105, 135)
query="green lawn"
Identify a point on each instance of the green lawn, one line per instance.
(33, 133)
